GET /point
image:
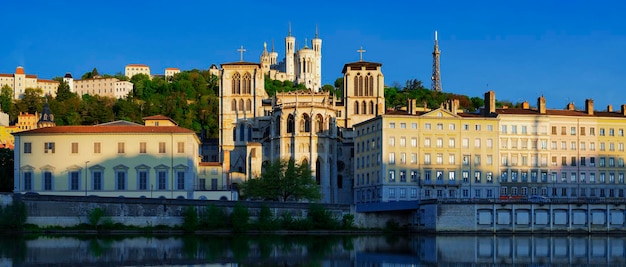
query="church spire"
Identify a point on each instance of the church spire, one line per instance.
(289, 32)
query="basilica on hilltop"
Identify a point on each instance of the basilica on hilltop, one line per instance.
(309, 126)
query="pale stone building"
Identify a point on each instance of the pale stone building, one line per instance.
(111, 87)
(19, 81)
(133, 69)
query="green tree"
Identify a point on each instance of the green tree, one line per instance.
(6, 98)
(31, 102)
(94, 73)
(284, 181)
(64, 91)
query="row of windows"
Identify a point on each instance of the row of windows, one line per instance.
(49, 147)
(363, 86)
(247, 107)
(403, 176)
(562, 192)
(565, 161)
(564, 177)
(76, 183)
(363, 109)
(241, 85)
(373, 194)
(440, 126)
(582, 131)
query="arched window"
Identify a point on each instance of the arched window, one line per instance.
(291, 124)
(356, 107)
(318, 171)
(234, 105)
(305, 162)
(356, 85)
(306, 123)
(248, 105)
(236, 83)
(241, 133)
(371, 107)
(364, 107)
(277, 130)
(235, 134)
(249, 133)
(247, 83)
(241, 104)
(319, 122)
(370, 85)
(361, 86)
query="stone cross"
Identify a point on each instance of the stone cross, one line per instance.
(361, 53)
(241, 50)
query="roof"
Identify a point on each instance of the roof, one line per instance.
(137, 65)
(31, 76)
(68, 75)
(119, 123)
(19, 70)
(172, 68)
(159, 118)
(360, 64)
(6, 75)
(240, 63)
(47, 81)
(558, 112)
(104, 129)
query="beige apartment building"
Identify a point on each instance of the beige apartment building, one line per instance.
(19, 81)
(133, 69)
(111, 87)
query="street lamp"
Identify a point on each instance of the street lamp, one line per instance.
(86, 177)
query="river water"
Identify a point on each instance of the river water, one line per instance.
(313, 250)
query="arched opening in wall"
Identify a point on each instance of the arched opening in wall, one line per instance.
(319, 121)
(356, 85)
(318, 171)
(291, 124)
(361, 93)
(370, 86)
(241, 106)
(236, 83)
(364, 107)
(305, 123)
(305, 162)
(277, 123)
(248, 105)
(249, 133)
(234, 105)
(339, 181)
(247, 83)
(371, 107)
(235, 134)
(241, 133)
(356, 107)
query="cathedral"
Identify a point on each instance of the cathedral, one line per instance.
(310, 126)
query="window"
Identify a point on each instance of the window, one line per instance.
(27, 148)
(392, 141)
(504, 129)
(601, 131)
(161, 180)
(392, 158)
(489, 143)
(573, 130)
(392, 125)
(143, 180)
(427, 159)
(524, 131)
(28, 181)
(180, 180)
(96, 147)
(161, 147)
(553, 130)
(73, 177)
(413, 158)
(427, 126)
(490, 127)
(451, 176)
(120, 147)
(477, 127)
(392, 176)
(392, 193)
(402, 141)
(48, 147)
(514, 129)
(413, 125)
(451, 143)
(477, 176)
(427, 142)
(439, 126)
(439, 142)
(402, 158)
(97, 180)
(592, 131)
(611, 132)
(403, 176)
(465, 143)
(413, 142)
(477, 143)
(402, 125)
(142, 147)
(47, 180)
(439, 158)
(413, 192)
(465, 176)
(120, 181)
(451, 126)
(74, 148)
(466, 127)
(451, 159)
(181, 147)
(414, 176)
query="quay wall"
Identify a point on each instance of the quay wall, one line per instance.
(521, 218)
(43, 210)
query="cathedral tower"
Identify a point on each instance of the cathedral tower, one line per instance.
(290, 52)
(364, 91)
(317, 48)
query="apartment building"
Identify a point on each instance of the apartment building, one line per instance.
(19, 81)
(111, 87)
(133, 69)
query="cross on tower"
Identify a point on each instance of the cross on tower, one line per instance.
(361, 51)
(241, 50)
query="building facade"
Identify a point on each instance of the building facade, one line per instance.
(19, 81)
(111, 87)
(133, 69)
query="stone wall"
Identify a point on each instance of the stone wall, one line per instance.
(69, 211)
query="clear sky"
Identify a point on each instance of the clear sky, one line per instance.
(567, 51)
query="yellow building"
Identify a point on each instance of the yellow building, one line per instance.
(133, 69)
(27, 121)
(111, 159)
(6, 136)
(19, 81)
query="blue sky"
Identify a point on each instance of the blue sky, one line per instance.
(567, 51)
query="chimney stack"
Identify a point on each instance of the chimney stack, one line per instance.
(525, 105)
(623, 110)
(589, 106)
(490, 102)
(541, 105)
(570, 106)
(609, 108)
(410, 105)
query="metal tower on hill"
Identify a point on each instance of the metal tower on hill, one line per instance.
(436, 77)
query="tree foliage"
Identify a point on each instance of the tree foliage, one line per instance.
(282, 180)
(275, 86)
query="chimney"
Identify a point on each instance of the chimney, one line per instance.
(541, 105)
(525, 105)
(589, 106)
(570, 106)
(455, 106)
(623, 110)
(609, 108)
(410, 105)
(490, 102)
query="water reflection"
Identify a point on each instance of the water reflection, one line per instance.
(312, 250)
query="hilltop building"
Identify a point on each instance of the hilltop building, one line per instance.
(111, 87)
(133, 69)
(19, 81)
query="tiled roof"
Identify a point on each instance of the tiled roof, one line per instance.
(107, 129)
(6, 75)
(360, 64)
(157, 117)
(557, 112)
(240, 63)
(172, 68)
(31, 76)
(136, 65)
(47, 81)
